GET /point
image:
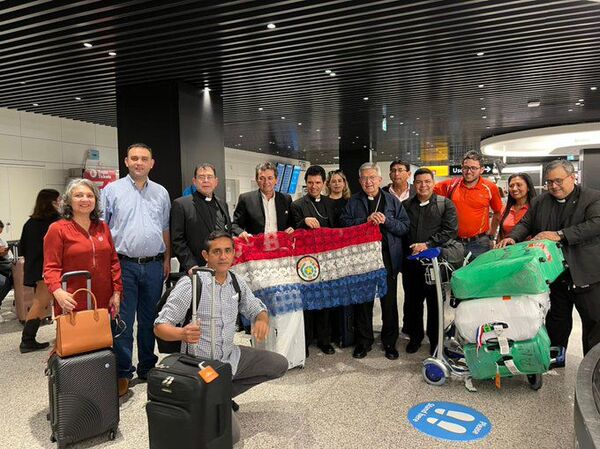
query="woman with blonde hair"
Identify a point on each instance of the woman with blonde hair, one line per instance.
(338, 191)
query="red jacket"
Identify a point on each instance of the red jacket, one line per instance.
(68, 247)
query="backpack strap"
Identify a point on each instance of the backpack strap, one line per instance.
(236, 285)
(441, 204)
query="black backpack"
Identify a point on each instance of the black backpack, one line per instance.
(172, 347)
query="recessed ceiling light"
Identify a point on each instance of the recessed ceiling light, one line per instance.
(365, 98)
(78, 98)
(577, 104)
(87, 45)
(483, 109)
(402, 123)
(481, 85)
(416, 134)
(336, 157)
(283, 117)
(391, 116)
(487, 127)
(570, 110)
(481, 98)
(418, 118)
(339, 137)
(332, 74)
(484, 116)
(593, 88)
(35, 104)
(318, 130)
(533, 103)
(22, 82)
(327, 71)
(481, 53)
(271, 26)
(582, 100)
(241, 135)
(260, 109)
(112, 53)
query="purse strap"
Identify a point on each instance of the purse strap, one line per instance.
(96, 316)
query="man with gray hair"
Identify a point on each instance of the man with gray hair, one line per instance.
(570, 214)
(263, 210)
(195, 216)
(384, 210)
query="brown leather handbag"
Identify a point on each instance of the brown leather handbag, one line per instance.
(83, 331)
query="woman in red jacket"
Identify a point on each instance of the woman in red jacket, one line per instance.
(81, 241)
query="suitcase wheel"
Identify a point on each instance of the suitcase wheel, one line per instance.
(53, 438)
(112, 435)
(47, 416)
(433, 374)
(535, 381)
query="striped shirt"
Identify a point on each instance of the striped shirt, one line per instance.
(226, 307)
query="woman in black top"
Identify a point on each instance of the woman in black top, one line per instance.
(31, 247)
(339, 192)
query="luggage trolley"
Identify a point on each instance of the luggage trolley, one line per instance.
(448, 359)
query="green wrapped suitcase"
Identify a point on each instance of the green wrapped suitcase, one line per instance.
(527, 357)
(523, 269)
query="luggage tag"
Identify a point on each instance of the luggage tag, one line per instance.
(207, 373)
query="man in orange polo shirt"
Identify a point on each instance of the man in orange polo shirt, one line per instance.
(473, 197)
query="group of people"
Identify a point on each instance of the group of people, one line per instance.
(125, 236)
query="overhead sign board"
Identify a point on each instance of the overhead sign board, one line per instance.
(457, 169)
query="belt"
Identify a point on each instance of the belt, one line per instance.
(472, 239)
(142, 260)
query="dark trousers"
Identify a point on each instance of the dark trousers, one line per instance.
(559, 320)
(6, 284)
(416, 291)
(316, 324)
(363, 318)
(255, 367)
(405, 306)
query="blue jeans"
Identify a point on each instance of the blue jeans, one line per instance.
(478, 246)
(142, 288)
(6, 284)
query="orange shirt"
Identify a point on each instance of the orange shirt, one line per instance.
(513, 218)
(472, 204)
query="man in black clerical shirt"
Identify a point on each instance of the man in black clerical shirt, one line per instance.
(314, 211)
(194, 217)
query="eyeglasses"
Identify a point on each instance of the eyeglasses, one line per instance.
(398, 170)
(557, 181)
(369, 178)
(470, 168)
(205, 177)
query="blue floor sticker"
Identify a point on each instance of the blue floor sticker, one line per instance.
(449, 421)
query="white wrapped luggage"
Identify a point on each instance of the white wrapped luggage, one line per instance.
(286, 337)
(516, 318)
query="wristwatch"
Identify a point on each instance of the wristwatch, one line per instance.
(561, 235)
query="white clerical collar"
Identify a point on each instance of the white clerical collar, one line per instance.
(424, 203)
(564, 200)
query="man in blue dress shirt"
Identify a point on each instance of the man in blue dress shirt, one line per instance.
(137, 212)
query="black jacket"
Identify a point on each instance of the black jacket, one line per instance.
(190, 226)
(396, 223)
(249, 214)
(427, 224)
(303, 208)
(580, 225)
(31, 247)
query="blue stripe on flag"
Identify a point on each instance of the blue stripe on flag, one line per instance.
(345, 291)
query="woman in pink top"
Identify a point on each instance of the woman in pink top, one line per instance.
(520, 193)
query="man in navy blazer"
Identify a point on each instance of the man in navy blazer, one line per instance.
(263, 210)
(383, 209)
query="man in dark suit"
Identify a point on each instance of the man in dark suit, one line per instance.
(569, 214)
(263, 210)
(374, 205)
(195, 216)
(314, 211)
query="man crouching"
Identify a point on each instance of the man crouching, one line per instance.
(249, 366)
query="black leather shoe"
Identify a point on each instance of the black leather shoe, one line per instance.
(360, 351)
(327, 349)
(412, 347)
(391, 353)
(234, 406)
(307, 352)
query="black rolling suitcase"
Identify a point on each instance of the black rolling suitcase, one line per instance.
(83, 392)
(189, 400)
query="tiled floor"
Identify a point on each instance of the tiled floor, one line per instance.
(334, 402)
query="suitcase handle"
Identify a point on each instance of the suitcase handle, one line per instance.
(71, 274)
(190, 361)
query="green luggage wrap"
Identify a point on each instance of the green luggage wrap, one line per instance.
(527, 357)
(526, 268)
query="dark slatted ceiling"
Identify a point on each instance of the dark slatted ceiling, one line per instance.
(415, 61)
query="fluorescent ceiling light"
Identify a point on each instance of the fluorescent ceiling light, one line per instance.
(533, 103)
(112, 53)
(481, 53)
(481, 85)
(271, 26)
(365, 98)
(87, 45)
(327, 71)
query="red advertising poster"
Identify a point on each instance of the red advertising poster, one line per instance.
(101, 177)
